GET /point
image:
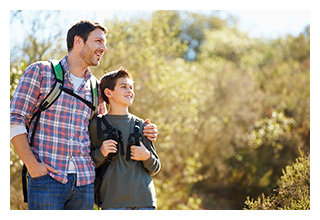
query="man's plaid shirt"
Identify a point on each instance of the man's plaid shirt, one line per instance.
(63, 128)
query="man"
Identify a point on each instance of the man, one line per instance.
(61, 171)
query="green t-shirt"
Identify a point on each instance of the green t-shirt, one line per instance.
(125, 183)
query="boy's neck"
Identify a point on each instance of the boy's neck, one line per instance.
(114, 110)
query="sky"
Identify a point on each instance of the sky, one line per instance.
(272, 24)
(257, 23)
(265, 23)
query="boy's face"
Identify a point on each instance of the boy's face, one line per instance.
(122, 94)
(94, 48)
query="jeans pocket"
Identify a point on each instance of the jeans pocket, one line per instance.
(39, 180)
(39, 177)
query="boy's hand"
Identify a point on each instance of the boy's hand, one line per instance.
(150, 131)
(140, 153)
(108, 146)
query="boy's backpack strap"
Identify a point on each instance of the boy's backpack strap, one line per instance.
(107, 123)
(113, 133)
(135, 135)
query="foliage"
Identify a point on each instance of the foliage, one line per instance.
(293, 192)
(232, 111)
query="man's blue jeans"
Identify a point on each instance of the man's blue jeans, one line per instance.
(45, 193)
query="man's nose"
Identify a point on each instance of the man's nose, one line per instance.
(104, 48)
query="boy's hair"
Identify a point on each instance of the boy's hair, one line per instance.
(82, 29)
(109, 80)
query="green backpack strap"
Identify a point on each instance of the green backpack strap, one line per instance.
(57, 69)
(93, 83)
(51, 97)
(94, 92)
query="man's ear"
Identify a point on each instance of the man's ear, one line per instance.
(78, 41)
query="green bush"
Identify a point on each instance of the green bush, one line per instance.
(293, 192)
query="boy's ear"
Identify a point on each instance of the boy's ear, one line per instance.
(107, 92)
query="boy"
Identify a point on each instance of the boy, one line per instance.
(127, 182)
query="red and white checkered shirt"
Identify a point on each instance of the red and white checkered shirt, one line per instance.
(63, 128)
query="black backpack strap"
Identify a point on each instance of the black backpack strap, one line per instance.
(52, 96)
(135, 136)
(114, 133)
(70, 92)
(24, 183)
(98, 181)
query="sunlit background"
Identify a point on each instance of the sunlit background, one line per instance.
(229, 91)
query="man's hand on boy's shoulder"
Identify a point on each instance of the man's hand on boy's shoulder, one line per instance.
(150, 131)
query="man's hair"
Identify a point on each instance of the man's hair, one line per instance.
(82, 29)
(109, 80)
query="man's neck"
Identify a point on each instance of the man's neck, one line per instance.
(76, 65)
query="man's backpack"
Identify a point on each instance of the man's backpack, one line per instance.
(110, 132)
(52, 96)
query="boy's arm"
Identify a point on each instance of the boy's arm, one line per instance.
(152, 164)
(147, 154)
(95, 153)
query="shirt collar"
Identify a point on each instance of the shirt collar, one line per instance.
(66, 69)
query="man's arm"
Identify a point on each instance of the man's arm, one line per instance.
(35, 168)
(22, 104)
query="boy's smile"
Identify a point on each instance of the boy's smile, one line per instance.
(123, 94)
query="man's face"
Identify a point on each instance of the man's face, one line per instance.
(94, 48)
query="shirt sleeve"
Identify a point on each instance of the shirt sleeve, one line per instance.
(95, 143)
(153, 164)
(25, 97)
(102, 109)
(16, 130)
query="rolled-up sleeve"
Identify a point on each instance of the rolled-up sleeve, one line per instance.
(25, 98)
